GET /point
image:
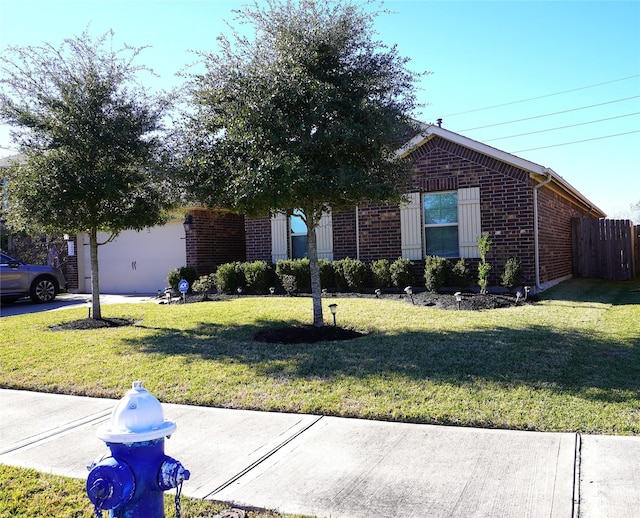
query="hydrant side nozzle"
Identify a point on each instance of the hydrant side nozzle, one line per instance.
(171, 474)
(110, 484)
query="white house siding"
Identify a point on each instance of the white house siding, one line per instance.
(135, 262)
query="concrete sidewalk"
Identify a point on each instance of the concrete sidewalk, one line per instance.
(327, 466)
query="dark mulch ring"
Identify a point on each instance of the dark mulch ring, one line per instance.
(91, 323)
(305, 334)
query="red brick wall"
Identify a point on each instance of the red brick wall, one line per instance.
(216, 238)
(258, 239)
(344, 235)
(554, 234)
(506, 198)
(506, 193)
(379, 232)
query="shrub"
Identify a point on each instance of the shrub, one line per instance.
(512, 273)
(435, 272)
(289, 284)
(350, 274)
(204, 284)
(299, 268)
(327, 274)
(229, 277)
(461, 273)
(188, 273)
(258, 276)
(402, 273)
(381, 273)
(484, 243)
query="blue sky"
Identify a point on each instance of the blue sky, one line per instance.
(578, 60)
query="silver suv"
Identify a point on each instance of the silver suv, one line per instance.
(41, 283)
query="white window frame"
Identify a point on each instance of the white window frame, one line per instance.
(439, 225)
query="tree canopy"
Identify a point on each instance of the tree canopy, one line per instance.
(88, 133)
(305, 115)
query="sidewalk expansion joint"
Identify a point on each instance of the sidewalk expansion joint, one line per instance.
(577, 460)
(54, 432)
(259, 461)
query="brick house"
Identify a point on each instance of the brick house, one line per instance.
(461, 188)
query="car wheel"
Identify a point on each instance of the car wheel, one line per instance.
(43, 289)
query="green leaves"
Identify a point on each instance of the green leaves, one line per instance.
(87, 133)
(306, 113)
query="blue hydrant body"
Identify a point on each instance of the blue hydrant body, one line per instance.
(130, 481)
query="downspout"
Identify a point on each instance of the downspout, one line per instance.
(357, 234)
(536, 238)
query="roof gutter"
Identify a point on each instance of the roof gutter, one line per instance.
(536, 238)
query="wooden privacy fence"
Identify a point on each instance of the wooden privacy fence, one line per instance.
(604, 248)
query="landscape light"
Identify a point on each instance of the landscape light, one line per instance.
(334, 308)
(458, 297)
(409, 291)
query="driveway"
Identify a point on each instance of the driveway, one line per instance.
(69, 300)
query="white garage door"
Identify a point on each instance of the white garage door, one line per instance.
(137, 262)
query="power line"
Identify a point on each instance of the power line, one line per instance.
(563, 127)
(550, 114)
(540, 96)
(576, 142)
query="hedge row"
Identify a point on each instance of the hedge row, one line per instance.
(294, 275)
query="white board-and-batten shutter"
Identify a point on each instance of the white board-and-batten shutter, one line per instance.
(279, 237)
(324, 237)
(469, 227)
(411, 227)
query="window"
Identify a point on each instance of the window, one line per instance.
(298, 230)
(441, 223)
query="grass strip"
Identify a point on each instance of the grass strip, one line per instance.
(32, 494)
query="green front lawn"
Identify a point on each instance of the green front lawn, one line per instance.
(568, 363)
(30, 494)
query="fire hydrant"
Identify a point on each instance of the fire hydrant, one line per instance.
(130, 481)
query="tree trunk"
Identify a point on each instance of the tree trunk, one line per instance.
(96, 312)
(316, 290)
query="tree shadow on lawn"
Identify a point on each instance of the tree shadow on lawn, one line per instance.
(569, 361)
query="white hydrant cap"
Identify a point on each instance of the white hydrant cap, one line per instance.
(137, 417)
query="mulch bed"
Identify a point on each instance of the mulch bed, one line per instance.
(305, 334)
(91, 323)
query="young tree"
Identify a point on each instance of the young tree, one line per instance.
(306, 115)
(88, 133)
